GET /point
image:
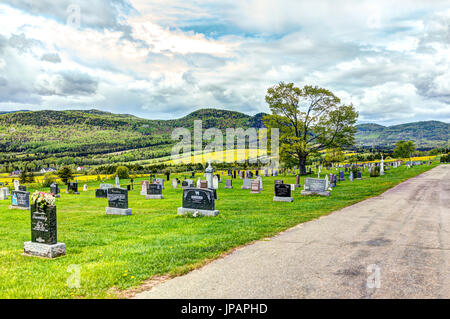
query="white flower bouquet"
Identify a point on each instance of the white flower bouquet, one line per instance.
(42, 199)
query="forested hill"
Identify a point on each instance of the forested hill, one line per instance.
(424, 134)
(93, 137)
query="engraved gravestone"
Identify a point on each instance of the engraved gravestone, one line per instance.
(44, 241)
(315, 186)
(198, 201)
(154, 191)
(282, 193)
(118, 202)
(254, 188)
(43, 225)
(174, 183)
(20, 200)
(359, 175)
(229, 184)
(16, 184)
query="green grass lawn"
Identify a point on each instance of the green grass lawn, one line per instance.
(121, 252)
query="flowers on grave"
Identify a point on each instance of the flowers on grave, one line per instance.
(42, 200)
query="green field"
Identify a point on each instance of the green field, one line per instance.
(116, 253)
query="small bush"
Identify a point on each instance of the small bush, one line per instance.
(48, 180)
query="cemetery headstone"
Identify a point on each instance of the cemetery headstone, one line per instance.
(22, 188)
(351, 176)
(283, 193)
(159, 181)
(215, 183)
(341, 176)
(246, 183)
(144, 185)
(102, 191)
(315, 186)
(117, 181)
(117, 202)
(198, 201)
(154, 191)
(4, 193)
(229, 184)
(174, 183)
(16, 185)
(359, 175)
(85, 188)
(44, 241)
(20, 200)
(279, 181)
(254, 188)
(54, 190)
(203, 184)
(72, 186)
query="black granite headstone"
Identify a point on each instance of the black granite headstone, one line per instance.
(197, 198)
(54, 189)
(72, 187)
(101, 193)
(154, 189)
(43, 225)
(118, 198)
(282, 190)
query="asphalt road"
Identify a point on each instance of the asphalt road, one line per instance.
(396, 245)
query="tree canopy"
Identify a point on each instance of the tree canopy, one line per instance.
(310, 119)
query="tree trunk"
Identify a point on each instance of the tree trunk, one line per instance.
(302, 164)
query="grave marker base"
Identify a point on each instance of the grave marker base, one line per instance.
(118, 211)
(255, 192)
(315, 193)
(229, 187)
(19, 207)
(154, 196)
(245, 187)
(202, 212)
(43, 250)
(282, 199)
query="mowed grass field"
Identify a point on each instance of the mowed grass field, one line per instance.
(116, 253)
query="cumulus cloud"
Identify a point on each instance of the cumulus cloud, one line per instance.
(164, 59)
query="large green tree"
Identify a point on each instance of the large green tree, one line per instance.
(310, 119)
(404, 149)
(65, 174)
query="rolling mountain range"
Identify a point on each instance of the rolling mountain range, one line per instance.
(101, 137)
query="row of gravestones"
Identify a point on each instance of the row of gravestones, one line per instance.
(195, 201)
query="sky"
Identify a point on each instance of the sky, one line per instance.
(163, 59)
